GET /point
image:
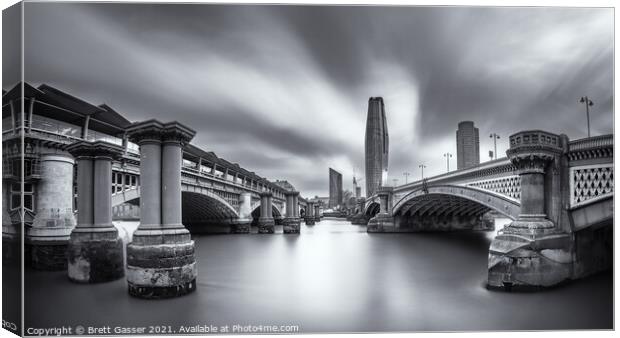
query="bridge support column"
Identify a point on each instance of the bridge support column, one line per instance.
(360, 217)
(266, 223)
(309, 216)
(533, 251)
(291, 222)
(242, 225)
(384, 220)
(160, 258)
(48, 237)
(317, 213)
(95, 252)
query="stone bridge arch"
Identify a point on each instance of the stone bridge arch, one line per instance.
(200, 208)
(450, 199)
(372, 208)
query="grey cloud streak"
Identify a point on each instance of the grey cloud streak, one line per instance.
(283, 89)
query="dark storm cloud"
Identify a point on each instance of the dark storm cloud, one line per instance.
(283, 89)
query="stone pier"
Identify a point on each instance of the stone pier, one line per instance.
(95, 252)
(383, 221)
(292, 221)
(533, 251)
(266, 223)
(309, 216)
(360, 218)
(242, 224)
(48, 237)
(317, 213)
(160, 259)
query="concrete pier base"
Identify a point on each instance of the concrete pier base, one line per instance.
(381, 223)
(359, 219)
(291, 225)
(161, 270)
(47, 255)
(95, 258)
(240, 227)
(266, 225)
(529, 259)
(309, 220)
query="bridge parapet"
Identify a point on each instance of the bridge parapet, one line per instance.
(591, 170)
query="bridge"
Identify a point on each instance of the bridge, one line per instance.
(76, 156)
(558, 194)
(217, 196)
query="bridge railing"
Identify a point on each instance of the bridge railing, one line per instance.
(499, 167)
(601, 141)
(189, 171)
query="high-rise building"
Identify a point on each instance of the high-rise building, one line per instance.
(377, 146)
(358, 192)
(335, 188)
(467, 145)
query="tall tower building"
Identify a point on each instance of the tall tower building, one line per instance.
(377, 146)
(467, 145)
(335, 188)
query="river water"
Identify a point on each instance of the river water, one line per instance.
(333, 277)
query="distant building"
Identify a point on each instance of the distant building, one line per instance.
(358, 192)
(335, 188)
(376, 146)
(467, 145)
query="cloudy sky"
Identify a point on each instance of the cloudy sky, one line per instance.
(283, 90)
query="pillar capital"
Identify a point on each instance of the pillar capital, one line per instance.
(291, 193)
(265, 194)
(156, 131)
(95, 149)
(385, 190)
(532, 150)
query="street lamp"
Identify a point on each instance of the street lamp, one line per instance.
(495, 137)
(447, 156)
(406, 174)
(588, 103)
(422, 166)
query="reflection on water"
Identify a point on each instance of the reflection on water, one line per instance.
(334, 277)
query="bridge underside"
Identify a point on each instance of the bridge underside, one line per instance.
(202, 213)
(437, 212)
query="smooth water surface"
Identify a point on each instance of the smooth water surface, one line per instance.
(333, 277)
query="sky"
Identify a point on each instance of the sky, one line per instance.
(283, 90)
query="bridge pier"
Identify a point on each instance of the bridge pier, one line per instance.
(360, 217)
(242, 225)
(384, 220)
(48, 237)
(266, 223)
(317, 213)
(309, 216)
(95, 252)
(292, 221)
(160, 258)
(533, 250)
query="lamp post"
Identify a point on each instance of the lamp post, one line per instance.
(447, 156)
(422, 166)
(495, 137)
(588, 103)
(406, 174)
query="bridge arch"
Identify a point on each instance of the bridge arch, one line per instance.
(198, 205)
(275, 211)
(372, 209)
(455, 200)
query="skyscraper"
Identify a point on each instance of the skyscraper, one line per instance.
(377, 146)
(335, 188)
(467, 145)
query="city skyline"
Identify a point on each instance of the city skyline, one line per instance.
(465, 70)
